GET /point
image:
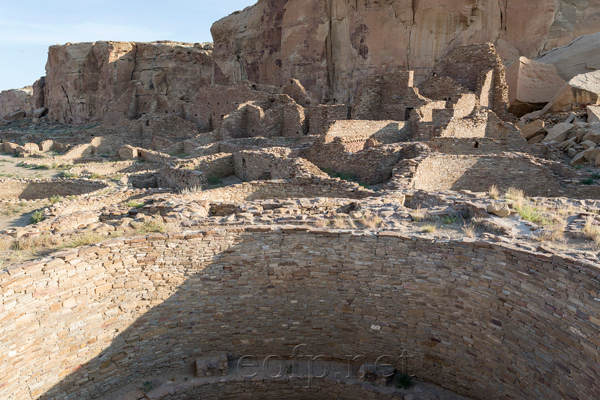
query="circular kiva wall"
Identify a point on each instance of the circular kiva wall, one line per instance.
(484, 320)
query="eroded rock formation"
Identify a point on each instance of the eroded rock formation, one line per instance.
(331, 45)
(83, 78)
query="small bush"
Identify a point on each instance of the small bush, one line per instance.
(134, 204)
(450, 219)
(41, 166)
(154, 225)
(37, 216)
(55, 199)
(68, 175)
(532, 214)
(588, 181)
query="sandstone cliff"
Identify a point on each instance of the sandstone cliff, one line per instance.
(83, 78)
(331, 45)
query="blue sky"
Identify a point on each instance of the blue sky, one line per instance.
(27, 28)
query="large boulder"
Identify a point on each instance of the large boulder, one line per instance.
(580, 56)
(582, 89)
(593, 113)
(531, 85)
(558, 132)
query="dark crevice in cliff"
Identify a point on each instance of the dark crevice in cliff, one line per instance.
(329, 96)
(134, 55)
(68, 101)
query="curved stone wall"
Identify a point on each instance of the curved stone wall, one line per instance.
(484, 320)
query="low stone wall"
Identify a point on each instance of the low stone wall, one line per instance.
(273, 163)
(479, 173)
(285, 189)
(179, 178)
(484, 320)
(46, 188)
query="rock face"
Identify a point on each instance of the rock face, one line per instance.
(83, 78)
(331, 45)
(15, 100)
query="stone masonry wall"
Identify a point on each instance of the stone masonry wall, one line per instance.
(42, 189)
(485, 320)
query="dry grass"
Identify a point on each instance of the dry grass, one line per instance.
(469, 230)
(153, 225)
(371, 221)
(493, 192)
(343, 223)
(429, 228)
(554, 232)
(321, 223)
(419, 214)
(516, 195)
(591, 230)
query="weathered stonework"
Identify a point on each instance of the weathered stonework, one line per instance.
(461, 311)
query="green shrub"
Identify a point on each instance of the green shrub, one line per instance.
(55, 199)
(67, 174)
(450, 219)
(134, 204)
(37, 216)
(588, 181)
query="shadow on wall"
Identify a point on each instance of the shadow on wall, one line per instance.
(337, 294)
(479, 173)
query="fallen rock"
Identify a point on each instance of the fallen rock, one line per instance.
(591, 154)
(558, 132)
(532, 128)
(579, 159)
(537, 138)
(499, 209)
(531, 85)
(39, 112)
(593, 113)
(598, 160)
(18, 115)
(592, 136)
(588, 144)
